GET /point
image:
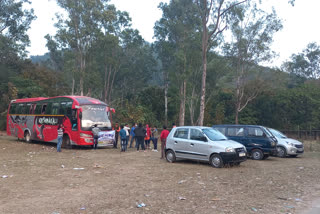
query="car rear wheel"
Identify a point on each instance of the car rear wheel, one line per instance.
(170, 156)
(257, 154)
(216, 161)
(281, 152)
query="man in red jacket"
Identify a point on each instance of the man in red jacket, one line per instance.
(163, 136)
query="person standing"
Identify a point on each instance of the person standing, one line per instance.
(163, 137)
(123, 138)
(147, 137)
(154, 138)
(60, 130)
(132, 135)
(95, 132)
(140, 134)
(116, 128)
(127, 129)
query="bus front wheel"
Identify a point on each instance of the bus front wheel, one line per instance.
(66, 143)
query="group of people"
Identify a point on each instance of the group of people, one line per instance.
(141, 135)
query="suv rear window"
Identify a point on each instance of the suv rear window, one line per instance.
(235, 132)
(181, 133)
(255, 132)
(221, 129)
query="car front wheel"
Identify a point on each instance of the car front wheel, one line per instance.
(216, 161)
(281, 152)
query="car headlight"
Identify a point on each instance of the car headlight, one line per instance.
(85, 135)
(273, 143)
(290, 144)
(230, 149)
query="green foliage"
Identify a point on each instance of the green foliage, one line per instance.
(305, 64)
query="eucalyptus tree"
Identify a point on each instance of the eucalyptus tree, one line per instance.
(252, 35)
(80, 29)
(179, 27)
(214, 18)
(14, 23)
(15, 20)
(305, 64)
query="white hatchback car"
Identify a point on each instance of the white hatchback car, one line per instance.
(205, 144)
(287, 146)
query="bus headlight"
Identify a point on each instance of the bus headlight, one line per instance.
(85, 135)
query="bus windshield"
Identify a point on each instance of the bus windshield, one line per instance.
(94, 114)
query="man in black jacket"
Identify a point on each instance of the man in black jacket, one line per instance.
(140, 133)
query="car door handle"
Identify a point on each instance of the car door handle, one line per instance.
(175, 142)
(191, 144)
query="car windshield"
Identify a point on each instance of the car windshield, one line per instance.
(277, 133)
(214, 135)
(95, 114)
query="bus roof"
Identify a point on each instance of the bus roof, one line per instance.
(81, 100)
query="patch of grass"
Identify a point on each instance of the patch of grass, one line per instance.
(311, 145)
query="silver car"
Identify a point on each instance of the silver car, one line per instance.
(287, 146)
(205, 144)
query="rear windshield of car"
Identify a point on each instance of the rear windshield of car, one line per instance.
(214, 135)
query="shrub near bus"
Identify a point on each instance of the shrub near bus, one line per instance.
(37, 119)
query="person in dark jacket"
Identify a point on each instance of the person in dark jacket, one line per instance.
(123, 137)
(140, 133)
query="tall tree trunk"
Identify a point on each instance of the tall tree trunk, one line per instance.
(73, 83)
(191, 106)
(166, 86)
(183, 90)
(82, 72)
(204, 71)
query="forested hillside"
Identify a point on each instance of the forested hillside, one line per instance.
(191, 67)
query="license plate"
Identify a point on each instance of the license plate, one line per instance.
(242, 154)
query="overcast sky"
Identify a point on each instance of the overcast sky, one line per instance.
(300, 23)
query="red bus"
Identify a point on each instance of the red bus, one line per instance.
(38, 118)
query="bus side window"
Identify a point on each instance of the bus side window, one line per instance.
(69, 106)
(38, 109)
(21, 107)
(27, 109)
(44, 107)
(32, 108)
(49, 108)
(63, 108)
(55, 108)
(12, 109)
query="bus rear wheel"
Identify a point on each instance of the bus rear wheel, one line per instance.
(66, 143)
(27, 137)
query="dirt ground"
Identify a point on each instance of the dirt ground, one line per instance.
(34, 178)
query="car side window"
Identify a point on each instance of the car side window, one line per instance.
(181, 133)
(235, 132)
(255, 132)
(195, 134)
